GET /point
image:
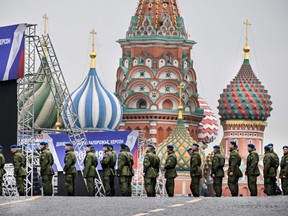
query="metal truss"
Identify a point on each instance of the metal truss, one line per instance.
(52, 73)
(55, 78)
(9, 182)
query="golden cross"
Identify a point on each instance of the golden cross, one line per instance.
(45, 24)
(180, 87)
(93, 33)
(247, 29)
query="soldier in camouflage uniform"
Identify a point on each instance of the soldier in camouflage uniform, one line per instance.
(90, 164)
(284, 171)
(114, 159)
(170, 170)
(234, 172)
(125, 170)
(2, 170)
(252, 170)
(151, 170)
(108, 170)
(47, 172)
(19, 163)
(217, 172)
(277, 163)
(195, 169)
(69, 170)
(269, 172)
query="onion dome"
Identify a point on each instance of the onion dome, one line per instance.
(209, 126)
(97, 108)
(245, 97)
(181, 140)
(45, 111)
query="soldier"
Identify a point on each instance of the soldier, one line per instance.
(19, 163)
(47, 172)
(2, 170)
(108, 170)
(277, 163)
(217, 172)
(195, 169)
(114, 159)
(234, 172)
(89, 172)
(284, 171)
(151, 170)
(125, 170)
(252, 170)
(170, 170)
(269, 172)
(69, 170)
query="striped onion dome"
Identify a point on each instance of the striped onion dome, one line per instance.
(45, 111)
(209, 124)
(96, 106)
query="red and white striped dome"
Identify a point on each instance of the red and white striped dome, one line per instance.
(209, 125)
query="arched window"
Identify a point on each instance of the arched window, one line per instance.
(167, 104)
(142, 104)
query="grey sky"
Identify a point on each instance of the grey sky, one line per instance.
(217, 26)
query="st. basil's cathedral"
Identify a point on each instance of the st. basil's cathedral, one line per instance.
(156, 92)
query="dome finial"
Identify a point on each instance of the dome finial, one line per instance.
(93, 53)
(180, 107)
(45, 18)
(246, 48)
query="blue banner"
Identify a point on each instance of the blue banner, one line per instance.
(12, 52)
(97, 139)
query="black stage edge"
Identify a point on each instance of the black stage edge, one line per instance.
(80, 188)
(8, 117)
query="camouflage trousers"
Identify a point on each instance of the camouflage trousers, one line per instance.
(150, 186)
(70, 184)
(170, 186)
(252, 185)
(47, 185)
(269, 185)
(195, 186)
(20, 185)
(284, 183)
(90, 181)
(217, 186)
(233, 185)
(108, 182)
(125, 185)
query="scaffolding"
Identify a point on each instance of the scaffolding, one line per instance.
(54, 76)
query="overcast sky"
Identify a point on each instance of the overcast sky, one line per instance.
(217, 26)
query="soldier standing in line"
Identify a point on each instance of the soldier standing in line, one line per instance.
(252, 170)
(284, 171)
(108, 170)
(277, 163)
(125, 170)
(170, 170)
(217, 172)
(19, 163)
(114, 159)
(2, 170)
(195, 169)
(151, 170)
(47, 172)
(90, 164)
(234, 172)
(269, 172)
(69, 170)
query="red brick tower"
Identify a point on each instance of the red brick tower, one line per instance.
(156, 59)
